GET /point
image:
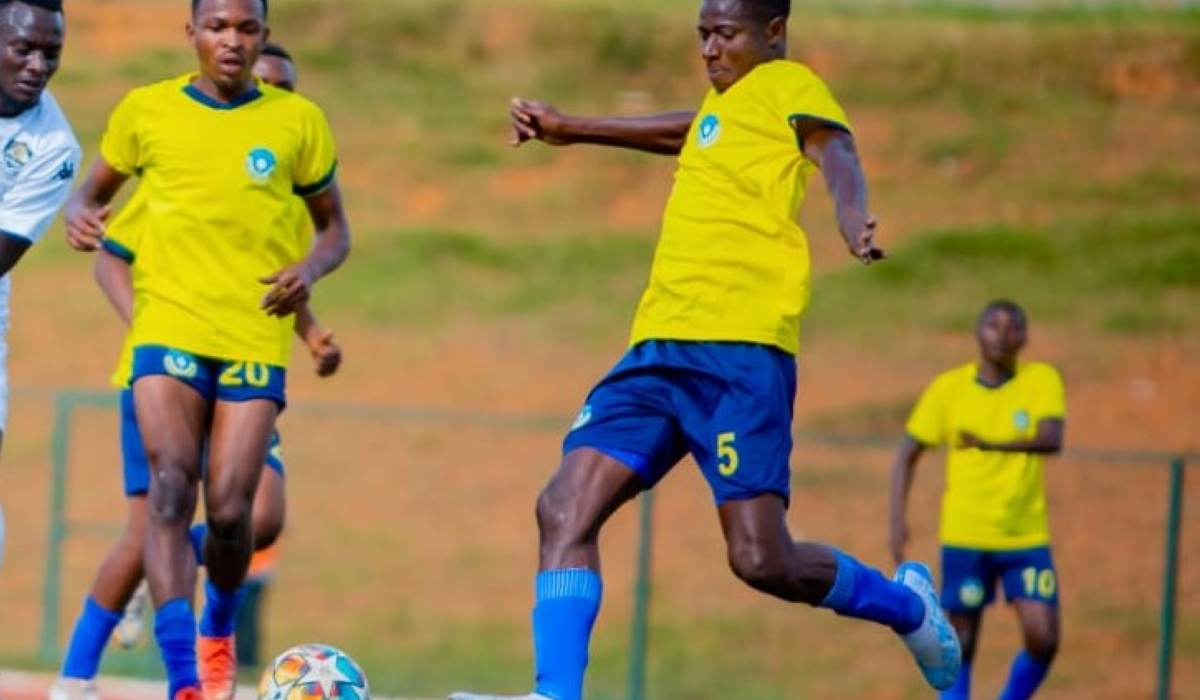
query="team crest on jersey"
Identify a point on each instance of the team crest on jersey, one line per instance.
(708, 130)
(179, 364)
(260, 163)
(1021, 419)
(585, 416)
(970, 594)
(16, 154)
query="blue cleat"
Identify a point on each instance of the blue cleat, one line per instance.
(477, 696)
(934, 644)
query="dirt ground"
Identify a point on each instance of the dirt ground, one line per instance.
(432, 507)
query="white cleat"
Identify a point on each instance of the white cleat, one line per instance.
(934, 644)
(73, 689)
(129, 630)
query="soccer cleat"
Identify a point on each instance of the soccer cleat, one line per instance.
(73, 689)
(477, 696)
(218, 666)
(189, 693)
(934, 644)
(129, 630)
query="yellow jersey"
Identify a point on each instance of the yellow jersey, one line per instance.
(993, 500)
(219, 181)
(732, 262)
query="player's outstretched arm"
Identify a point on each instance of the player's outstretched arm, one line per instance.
(904, 468)
(834, 152)
(1047, 441)
(88, 207)
(291, 286)
(115, 280)
(661, 133)
(325, 352)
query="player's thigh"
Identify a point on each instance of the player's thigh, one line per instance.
(736, 415)
(968, 579)
(629, 418)
(172, 393)
(237, 448)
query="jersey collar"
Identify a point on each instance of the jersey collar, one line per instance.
(193, 92)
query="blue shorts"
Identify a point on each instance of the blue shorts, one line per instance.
(969, 577)
(215, 380)
(728, 404)
(136, 464)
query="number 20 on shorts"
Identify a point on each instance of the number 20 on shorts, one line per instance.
(255, 374)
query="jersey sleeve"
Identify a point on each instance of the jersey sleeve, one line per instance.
(317, 163)
(1050, 398)
(803, 95)
(29, 206)
(123, 234)
(120, 146)
(927, 423)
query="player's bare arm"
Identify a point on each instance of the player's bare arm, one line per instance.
(325, 352)
(1047, 441)
(292, 286)
(660, 133)
(113, 276)
(89, 206)
(834, 152)
(904, 468)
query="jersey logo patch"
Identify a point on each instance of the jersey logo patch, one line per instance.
(179, 364)
(260, 163)
(708, 131)
(66, 171)
(16, 154)
(1021, 419)
(970, 594)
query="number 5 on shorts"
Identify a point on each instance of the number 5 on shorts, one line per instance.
(727, 456)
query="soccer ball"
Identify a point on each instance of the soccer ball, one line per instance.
(313, 672)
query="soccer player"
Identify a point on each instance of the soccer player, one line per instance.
(39, 155)
(221, 157)
(114, 586)
(998, 417)
(711, 368)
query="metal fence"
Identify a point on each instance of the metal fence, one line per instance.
(1114, 490)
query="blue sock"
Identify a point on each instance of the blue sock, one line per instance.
(567, 603)
(961, 690)
(1026, 674)
(196, 535)
(175, 632)
(864, 593)
(92, 630)
(220, 610)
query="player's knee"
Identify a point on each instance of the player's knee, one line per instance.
(229, 522)
(172, 496)
(1042, 644)
(758, 566)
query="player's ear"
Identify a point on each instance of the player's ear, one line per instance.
(190, 30)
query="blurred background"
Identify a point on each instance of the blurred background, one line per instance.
(1045, 151)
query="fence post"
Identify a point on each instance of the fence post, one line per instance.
(1166, 642)
(641, 602)
(52, 587)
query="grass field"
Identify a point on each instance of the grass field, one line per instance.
(1045, 155)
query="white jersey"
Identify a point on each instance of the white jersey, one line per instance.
(39, 156)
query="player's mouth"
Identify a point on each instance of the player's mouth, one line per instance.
(231, 64)
(28, 89)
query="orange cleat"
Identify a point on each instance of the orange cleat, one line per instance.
(218, 667)
(188, 693)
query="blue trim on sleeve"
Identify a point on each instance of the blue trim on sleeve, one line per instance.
(793, 118)
(111, 246)
(246, 98)
(318, 186)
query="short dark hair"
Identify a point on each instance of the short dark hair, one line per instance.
(272, 49)
(767, 10)
(1008, 306)
(196, 5)
(51, 5)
